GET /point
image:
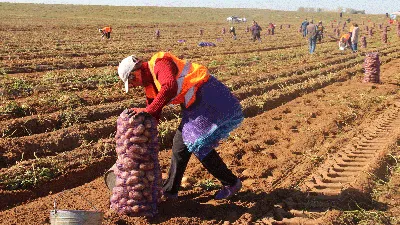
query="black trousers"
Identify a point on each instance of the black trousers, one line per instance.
(180, 158)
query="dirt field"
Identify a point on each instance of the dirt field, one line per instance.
(317, 146)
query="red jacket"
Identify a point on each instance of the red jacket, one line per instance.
(166, 71)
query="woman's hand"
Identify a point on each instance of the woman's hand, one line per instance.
(138, 110)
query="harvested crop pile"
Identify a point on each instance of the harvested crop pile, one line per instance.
(384, 37)
(372, 67)
(398, 29)
(138, 177)
(364, 42)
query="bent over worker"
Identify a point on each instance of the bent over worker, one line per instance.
(344, 41)
(106, 31)
(209, 113)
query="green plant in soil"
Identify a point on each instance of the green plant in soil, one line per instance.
(69, 118)
(15, 109)
(208, 185)
(17, 87)
(30, 177)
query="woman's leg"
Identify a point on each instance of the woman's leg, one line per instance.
(179, 160)
(214, 165)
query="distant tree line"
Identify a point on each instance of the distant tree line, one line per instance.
(339, 9)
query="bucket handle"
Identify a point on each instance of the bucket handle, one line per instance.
(74, 192)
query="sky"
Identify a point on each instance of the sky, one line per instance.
(370, 6)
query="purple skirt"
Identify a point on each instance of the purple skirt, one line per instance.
(214, 114)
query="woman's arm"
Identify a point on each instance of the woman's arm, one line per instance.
(165, 70)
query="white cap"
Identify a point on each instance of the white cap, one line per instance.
(125, 68)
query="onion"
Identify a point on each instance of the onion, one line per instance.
(147, 133)
(146, 193)
(138, 187)
(135, 209)
(134, 173)
(131, 202)
(146, 166)
(118, 191)
(132, 180)
(129, 132)
(139, 130)
(135, 195)
(124, 175)
(138, 139)
(147, 123)
(122, 201)
(114, 198)
(120, 150)
(150, 175)
(119, 182)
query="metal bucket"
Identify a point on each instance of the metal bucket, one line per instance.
(109, 177)
(75, 217)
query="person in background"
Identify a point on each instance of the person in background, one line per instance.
(303, 27)
(106, 32)
(256, 31)
(340, 14)
(344, 41)
(312, 36)
(271, 26)
(157, 34)
(206, 119)
(233, 32)
(320, 31)
(351, 34)
(354, 37)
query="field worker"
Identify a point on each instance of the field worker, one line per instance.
(271, 26)
(233, 32)
(106, 31)
(303, 27)
(209, 113)
(320, 31)
(344, 41)
(354, 37)
(312, 36)
(256, 31)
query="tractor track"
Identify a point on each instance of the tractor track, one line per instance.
(332, 183)
(342, 170)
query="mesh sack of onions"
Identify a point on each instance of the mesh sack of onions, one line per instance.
(384, 37)
(137, 188)
(398, 29)
(372, 67)
(364, 42)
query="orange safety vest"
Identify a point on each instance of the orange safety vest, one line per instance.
(190, 77)
(345, 36)
(107, 29)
